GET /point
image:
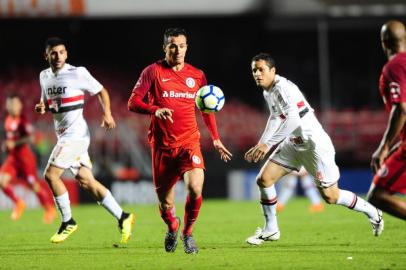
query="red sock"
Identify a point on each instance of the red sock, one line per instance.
(10, 193)
(170, 219)
(44, 198)
(192, 208)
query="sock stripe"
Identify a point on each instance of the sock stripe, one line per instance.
(354, 202)
(269, 202)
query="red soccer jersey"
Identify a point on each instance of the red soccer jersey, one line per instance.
(175, 90)
(392, 84)
(17, 128)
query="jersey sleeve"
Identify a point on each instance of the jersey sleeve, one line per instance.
(141, 88)
(290, 118)
(88, 82)
(272, 125)
(209, 120)
(397, 83)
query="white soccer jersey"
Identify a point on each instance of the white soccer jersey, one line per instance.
(290, 115)
(63, 92)
(301, 138)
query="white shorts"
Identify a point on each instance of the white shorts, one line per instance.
(71, 154)
(317, 159)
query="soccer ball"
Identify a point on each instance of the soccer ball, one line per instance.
(209, 98)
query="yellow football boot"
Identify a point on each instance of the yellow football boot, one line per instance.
(66, 229)
(126, 225)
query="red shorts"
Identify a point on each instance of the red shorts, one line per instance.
(169, 165)
(392, 176)
(22, 164)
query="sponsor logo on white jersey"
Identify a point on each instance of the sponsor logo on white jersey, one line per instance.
(190, 82)
(173, 94)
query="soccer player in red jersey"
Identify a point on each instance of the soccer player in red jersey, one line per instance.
(21, 160)
(389, 160)
(171, 85)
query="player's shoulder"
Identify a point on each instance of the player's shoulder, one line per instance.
(197, 71)
(398, 63)
(44, 74)
(283, 84)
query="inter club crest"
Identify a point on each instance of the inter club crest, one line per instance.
(196, 159)
(190, 82)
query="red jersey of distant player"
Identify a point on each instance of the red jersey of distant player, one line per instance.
(20, 160)
(392, 86)
(175, 90)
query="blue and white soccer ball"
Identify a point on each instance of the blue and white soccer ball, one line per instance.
(209, 98)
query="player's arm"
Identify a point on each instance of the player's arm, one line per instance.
(108, 120)
(210, 121)
(42, 106)
(11, 144)
(261, 149)
(290, 122)
(397, 120)
(142, 87)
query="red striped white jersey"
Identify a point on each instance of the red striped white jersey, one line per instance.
(64, 92)
(288, 108)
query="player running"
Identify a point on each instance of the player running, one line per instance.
(389, 160)
(295, 138)
(21, 160)
(171, 85)
(62, 93)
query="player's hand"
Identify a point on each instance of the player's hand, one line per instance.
(164, 113)
(40, 107)
(378, 157)
(108, 121)
(225, 155)
(257, 153)
(10, 145)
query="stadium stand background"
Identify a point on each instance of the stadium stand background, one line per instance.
(333, 54)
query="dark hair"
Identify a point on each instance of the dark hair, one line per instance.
(173, 32)
(54, 41)
(266, 57)
(13, 95)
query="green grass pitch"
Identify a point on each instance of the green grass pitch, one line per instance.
(335, 239)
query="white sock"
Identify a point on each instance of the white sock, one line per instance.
(63, 204)
(268, 202)
(310, 190)
(111, 205)
(356, 203)
(288, 186)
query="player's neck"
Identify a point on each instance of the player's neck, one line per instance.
(175, 66)
(270, 87)
(55, 70)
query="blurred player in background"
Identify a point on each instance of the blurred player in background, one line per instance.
(295, 138)
(171, 85)
(288, 186)
(389, 160)
(21, 161)
(62, 93)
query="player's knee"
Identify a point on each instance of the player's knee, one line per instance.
(50, 177)
(84, 183)
(3, 180)
(263, 181)
(166, 205)
(195, 189)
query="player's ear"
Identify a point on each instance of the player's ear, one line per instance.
(45, 56)
(164, 48)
